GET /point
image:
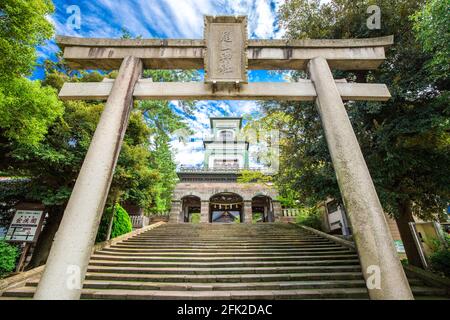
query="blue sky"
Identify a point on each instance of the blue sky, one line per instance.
(171, 19)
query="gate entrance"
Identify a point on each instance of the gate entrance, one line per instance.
(226, 208)
(225, 54)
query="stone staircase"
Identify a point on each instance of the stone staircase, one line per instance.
(224, 261)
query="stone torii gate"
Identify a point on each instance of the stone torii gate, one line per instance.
(225, 53)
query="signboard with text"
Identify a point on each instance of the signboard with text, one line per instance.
(25, 226)
(226, 49)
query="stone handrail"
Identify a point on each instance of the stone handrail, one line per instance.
(341, 241)
(290, 212)
(126, 236)
(20, 278)
(428, 277)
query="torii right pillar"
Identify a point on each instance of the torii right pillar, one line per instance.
(374, 242)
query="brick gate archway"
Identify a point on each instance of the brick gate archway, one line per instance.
(226, 207)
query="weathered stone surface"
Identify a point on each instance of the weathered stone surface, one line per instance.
(226, 49)
(351, 54)
(298, 91)
(270, 273)
(370, 231)
(205, 190)
(247, 212)
(74, 240)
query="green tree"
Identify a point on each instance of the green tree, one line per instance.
(250, 176)
(431, 26)
(145, 171)
(405, 141)
(26, 108)
(23, 26)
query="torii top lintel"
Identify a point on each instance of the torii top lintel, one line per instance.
(220, 32)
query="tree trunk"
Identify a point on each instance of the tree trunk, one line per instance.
(405, 216)
(45, 240)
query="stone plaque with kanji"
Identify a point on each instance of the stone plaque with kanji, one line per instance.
(226, 49)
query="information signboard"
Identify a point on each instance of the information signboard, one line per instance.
(25, 226)
(399, 246)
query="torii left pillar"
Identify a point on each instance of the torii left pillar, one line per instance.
(70, 253)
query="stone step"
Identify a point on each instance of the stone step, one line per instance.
(151, 258)
(335, 293)
(192, 286)
(116, 290)
(223, 271)
(268, 239)
(159, 264)
(117, 248)
(429, 291)
(229, 226)
(223, 247)
(224, 278)
(237, 254)
(183, 261)
(228, 242)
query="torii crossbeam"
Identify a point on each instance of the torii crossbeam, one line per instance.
(225, 54)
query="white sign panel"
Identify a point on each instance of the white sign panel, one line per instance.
(25, 226)
(399, 246)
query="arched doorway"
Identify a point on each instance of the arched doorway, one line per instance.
(225, 207)
(190, 209)
(262, 209)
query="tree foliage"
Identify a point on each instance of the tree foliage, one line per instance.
(250, 176)
(121, 223)
(431, 25)
(8, 257)
(405, 141)
(23, 26)
(440, 258)
(310, 217)
(26, 108)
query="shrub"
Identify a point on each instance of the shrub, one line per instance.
(440, 258)
(195, 218)
(121, 223)
(309, 217)
(257, 217)
(8, 256)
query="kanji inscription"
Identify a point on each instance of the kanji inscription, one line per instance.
(226, 49)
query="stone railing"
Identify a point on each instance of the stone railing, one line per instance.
(184, 169)
(159, 216)
(139, 221)
(292, 212)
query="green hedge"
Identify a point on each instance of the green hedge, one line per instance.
(121, 223)
(195, 218)
(8, 257)
(440, 258)
(309, 217)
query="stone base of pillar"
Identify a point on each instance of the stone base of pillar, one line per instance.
(175, 212)
(277, 214)
(247, 213)
(204, 212)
